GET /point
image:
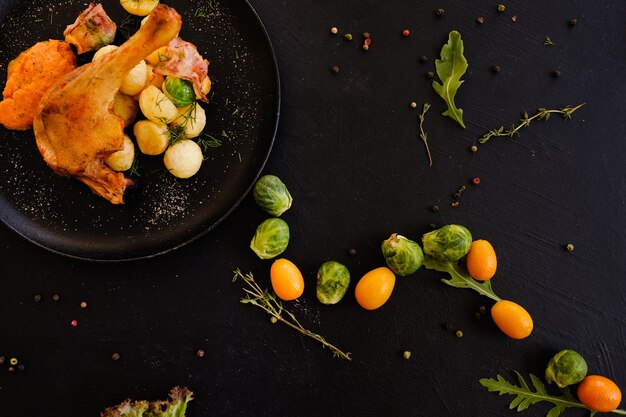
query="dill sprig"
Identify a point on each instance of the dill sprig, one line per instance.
(129, 26)
(423, 134)
(548, 42)
(542, 114)
(134, 168)
(207, 141)
(267, 301)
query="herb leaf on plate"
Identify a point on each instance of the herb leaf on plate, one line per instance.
(450, 69)
(459, 277)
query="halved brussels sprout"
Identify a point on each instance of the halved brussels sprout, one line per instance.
(179, 91)
(333, 279)
(450, 243)
(403, 255)
(567, 367)
(271, 238)
(271, 194)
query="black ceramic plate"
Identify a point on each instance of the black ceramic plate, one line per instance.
(161, 213)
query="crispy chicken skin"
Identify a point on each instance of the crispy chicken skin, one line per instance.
(30, 75)
(75, 127)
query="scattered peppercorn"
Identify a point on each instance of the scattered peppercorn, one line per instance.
(74, 323)
(273, 320)
(2, 359)
(11, 369)
(37, 298)
(406, 33)
(456, 195)
(200, 353)
(334, 30)
(513, 19)
(454, 204)
(366, 47)
(435, 208)
(21, 367)
(572, 22)
(476, 181)
(423, 58)
(495, 69)
(115, 356)
(556, 73)
(569, 247)
(366, 35)
(347, 36)
(334, 69)
(480, 20)
(83, 304)
(413, 104)
(501, 8)
(367, 41)
(477, 316)
(482, 310)
(13, 361)
(459, 333)
(352, 252)
(462, 188)
(406, 355)
(439, 12)
(474, 148)
(430, 74)
(56, 297)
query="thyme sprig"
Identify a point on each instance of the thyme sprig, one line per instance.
(542, 114)
(423, 134)
(267, 301)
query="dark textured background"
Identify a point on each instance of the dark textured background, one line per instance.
(347, 149)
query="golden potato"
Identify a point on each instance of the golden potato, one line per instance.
(123, 159)
(191, 119)
(152, 138)
(139, 7)
(136, 79)
(156, 106)
(183, 159)
(125, 107)
(157, 56)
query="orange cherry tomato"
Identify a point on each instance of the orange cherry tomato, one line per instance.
(481, 260)
(287, 280)
(599, 393)
(512, 319)
(374, 288)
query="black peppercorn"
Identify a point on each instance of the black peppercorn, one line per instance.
(556, 73)
(430, 74)
(480, 20)
(423, 58)
(435, 208)
(439, 12)
(572, 22)
(334, 69)
(495, 69)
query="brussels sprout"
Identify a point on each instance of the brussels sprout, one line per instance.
(271, 238)
(179, 91)
(566, 368)
(450, 243)
(271, 194)
(403, 255)
(332, 282)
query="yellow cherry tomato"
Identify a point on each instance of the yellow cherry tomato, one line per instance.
(287, 280)
(374, 288)
(512, 319)
(481, 260)
(599, 393)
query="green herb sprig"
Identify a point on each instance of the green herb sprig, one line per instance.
(423, 134)
(548, 42)
(267, 301)
(542, 114)
(525, 396)
(459, 277)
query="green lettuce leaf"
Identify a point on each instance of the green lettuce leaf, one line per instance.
(450, 69)
(175, 407)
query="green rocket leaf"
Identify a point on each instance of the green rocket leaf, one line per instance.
(450, 69)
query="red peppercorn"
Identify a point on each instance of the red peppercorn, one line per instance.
(367, 41)
(406, 33)
(74, 323)
(476, 181)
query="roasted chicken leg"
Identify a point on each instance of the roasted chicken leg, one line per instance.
(75, 127)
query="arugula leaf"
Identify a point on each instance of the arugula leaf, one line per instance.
(459, 277)
(175, 407)
(525, 396)
(450, 69)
